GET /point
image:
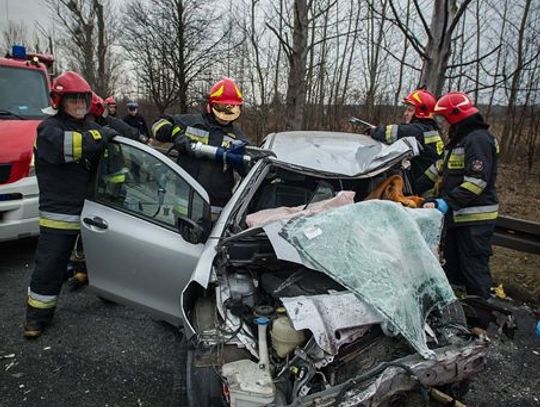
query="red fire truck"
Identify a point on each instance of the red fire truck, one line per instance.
(24, 92)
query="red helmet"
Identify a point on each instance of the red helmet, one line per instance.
(68, 83)
(225, 99)
(110, 101)
(423, 102)
(455, 107)
(96, 106)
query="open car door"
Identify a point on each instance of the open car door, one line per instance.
(143, 228)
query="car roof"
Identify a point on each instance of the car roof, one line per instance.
(338, 153)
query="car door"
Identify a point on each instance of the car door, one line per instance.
(143, 228)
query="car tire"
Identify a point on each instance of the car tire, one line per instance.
(203, 384)
(453, 313)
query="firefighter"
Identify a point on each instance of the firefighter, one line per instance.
(213, 127)
(98, 112)
(465, 186)
(135, 119)
(418, 123)
(110, 102)
(67, 148)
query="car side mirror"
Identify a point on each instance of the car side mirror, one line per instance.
(192, 231)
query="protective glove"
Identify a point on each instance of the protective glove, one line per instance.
(182, 144)
(108, 133)
(439, 204)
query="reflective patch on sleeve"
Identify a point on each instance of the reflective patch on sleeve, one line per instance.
(197, 135)
(68, 146)
(457, 159)
(175, 131)
(77, 146)
(228, 140)
(432, 173)
(158, 125)
(433, 137)
(474, 185)
(476, 214)
(72, 146)
(390, 135)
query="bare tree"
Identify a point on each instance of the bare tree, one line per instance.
(173, 42)
(86, 35)
(436, 52)
(13, 34)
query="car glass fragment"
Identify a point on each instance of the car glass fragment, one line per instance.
(387, 258)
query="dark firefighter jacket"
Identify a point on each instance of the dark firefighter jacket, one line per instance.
(216, 179)
(113, 166)
(138, 122)
(465, 177)
(66, 152)
(426, 132)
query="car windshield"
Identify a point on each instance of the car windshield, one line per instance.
(23, 93)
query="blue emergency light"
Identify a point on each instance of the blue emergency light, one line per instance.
(18, 52)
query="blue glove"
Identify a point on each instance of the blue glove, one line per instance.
(441, 205)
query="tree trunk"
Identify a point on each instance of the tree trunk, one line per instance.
(438, 48)
(296, 91)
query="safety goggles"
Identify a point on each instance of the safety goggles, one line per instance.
(76, 97)
(226, 112)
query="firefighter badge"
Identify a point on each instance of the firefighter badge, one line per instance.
(477, 165)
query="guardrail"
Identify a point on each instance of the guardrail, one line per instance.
(517, 234)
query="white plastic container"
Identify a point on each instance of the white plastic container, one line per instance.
(284, 337)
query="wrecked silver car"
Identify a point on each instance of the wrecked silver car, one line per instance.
(304, 293)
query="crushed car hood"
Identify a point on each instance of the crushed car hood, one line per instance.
(387, 259)
(345, 154)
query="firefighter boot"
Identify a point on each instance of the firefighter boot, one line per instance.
(36, 321)
(78, 281)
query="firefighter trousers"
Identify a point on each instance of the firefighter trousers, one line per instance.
(466, 253)
(52, 256)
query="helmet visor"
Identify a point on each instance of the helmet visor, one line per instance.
(76, 97)
(226, 113)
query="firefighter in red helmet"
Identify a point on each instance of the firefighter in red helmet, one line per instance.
(67, 148)
(110, 103)
(418, 123)
(214, 127)
(465, 192)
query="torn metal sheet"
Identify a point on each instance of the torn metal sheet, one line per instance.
(334, 319)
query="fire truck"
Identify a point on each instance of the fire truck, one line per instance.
(25, 82)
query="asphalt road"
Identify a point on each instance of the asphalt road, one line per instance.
(108, 355)
(94, 354)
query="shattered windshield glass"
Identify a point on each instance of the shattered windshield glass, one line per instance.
(385, 254)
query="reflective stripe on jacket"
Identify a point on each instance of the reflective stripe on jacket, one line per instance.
(465, 177)
(66, 154)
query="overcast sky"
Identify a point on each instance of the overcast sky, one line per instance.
(27, 11)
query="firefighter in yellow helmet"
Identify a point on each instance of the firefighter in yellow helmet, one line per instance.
(418, 122)
(213, 127)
